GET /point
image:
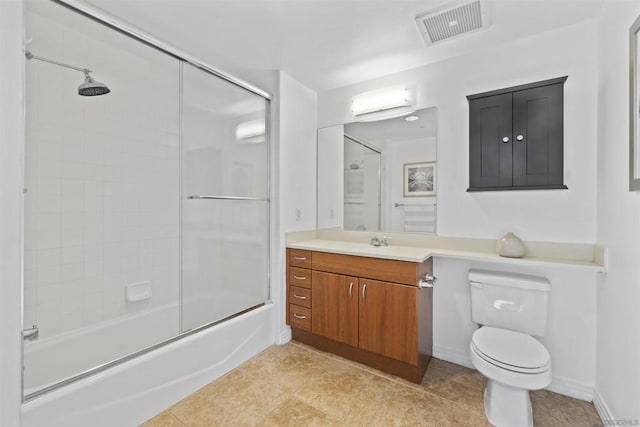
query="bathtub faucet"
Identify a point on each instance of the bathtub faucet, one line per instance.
(31, 333)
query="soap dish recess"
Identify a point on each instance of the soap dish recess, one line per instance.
(138, 291)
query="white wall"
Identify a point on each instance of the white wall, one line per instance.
(297, 144)
(618, 346)
(331, 177)
(11, 182)
(563, 215)
(296, 170)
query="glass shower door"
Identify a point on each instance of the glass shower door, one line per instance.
(362, 186)
(225, 199)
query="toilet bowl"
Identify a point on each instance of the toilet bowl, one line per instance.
(511, 307)
(513, 364)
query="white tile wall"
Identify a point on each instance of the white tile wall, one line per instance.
(102, 178)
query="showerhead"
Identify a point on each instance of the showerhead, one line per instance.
(91, 87)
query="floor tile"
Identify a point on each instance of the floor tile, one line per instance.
(165, 419)
(552, 409)
(408, 406)
(456, 383)
(297, 385)
(295, 413)
(232, 400)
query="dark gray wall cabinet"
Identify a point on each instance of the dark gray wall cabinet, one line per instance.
(515, 137)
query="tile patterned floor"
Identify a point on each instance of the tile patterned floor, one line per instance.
(296, 385)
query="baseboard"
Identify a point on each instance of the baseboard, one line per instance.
(559, 385)
(285, 335)
(452, 355)
(571, 388)
(601, 408)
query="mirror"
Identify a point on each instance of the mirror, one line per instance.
(379, 175)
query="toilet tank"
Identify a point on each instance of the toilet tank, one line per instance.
(510, 301)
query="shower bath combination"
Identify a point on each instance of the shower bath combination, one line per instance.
(89, 87)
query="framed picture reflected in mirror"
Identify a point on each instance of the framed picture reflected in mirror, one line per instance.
(419, 179)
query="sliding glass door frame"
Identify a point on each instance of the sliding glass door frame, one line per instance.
(115, 24)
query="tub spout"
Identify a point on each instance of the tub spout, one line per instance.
(31, 333)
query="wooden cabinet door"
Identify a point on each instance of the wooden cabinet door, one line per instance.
(538, 134)
(388, 315)
(334, 307)
(490, 155)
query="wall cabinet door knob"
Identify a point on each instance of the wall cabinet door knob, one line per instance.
(505, 139)
(519, 138)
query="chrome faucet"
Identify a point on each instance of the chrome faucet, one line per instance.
(376, 241)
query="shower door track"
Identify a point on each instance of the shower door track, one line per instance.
(253, 199)
(131, 356)
(112, 21)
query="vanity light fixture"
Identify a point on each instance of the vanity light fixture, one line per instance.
(383, 104)
(251, 132)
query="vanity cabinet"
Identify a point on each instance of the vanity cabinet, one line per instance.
(299, 282)
(388, 321)
(335, 305)
(366, 309)
(516, 137)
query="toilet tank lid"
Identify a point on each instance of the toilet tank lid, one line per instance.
(514, 280)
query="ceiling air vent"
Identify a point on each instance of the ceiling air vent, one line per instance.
(443, 24)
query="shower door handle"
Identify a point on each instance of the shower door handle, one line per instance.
(31, 333)
(254, 199)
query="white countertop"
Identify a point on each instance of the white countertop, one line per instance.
(419, 254)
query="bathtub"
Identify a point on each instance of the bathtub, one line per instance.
(131, 392)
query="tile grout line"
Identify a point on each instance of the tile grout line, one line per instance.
(180, 420)
(271, 412)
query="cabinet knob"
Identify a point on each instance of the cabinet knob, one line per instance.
(364, 291)
(505, 139)
(519, 138)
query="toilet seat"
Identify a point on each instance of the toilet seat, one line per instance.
(510, 350)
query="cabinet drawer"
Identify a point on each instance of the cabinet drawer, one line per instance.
(388, 270)
(299, 258)
(300, 277)
(300, 317)
(300, 296)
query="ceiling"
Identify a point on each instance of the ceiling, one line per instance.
(326, 44)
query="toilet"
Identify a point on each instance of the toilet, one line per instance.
(511, 309)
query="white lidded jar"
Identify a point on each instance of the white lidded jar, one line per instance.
(510, 246)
